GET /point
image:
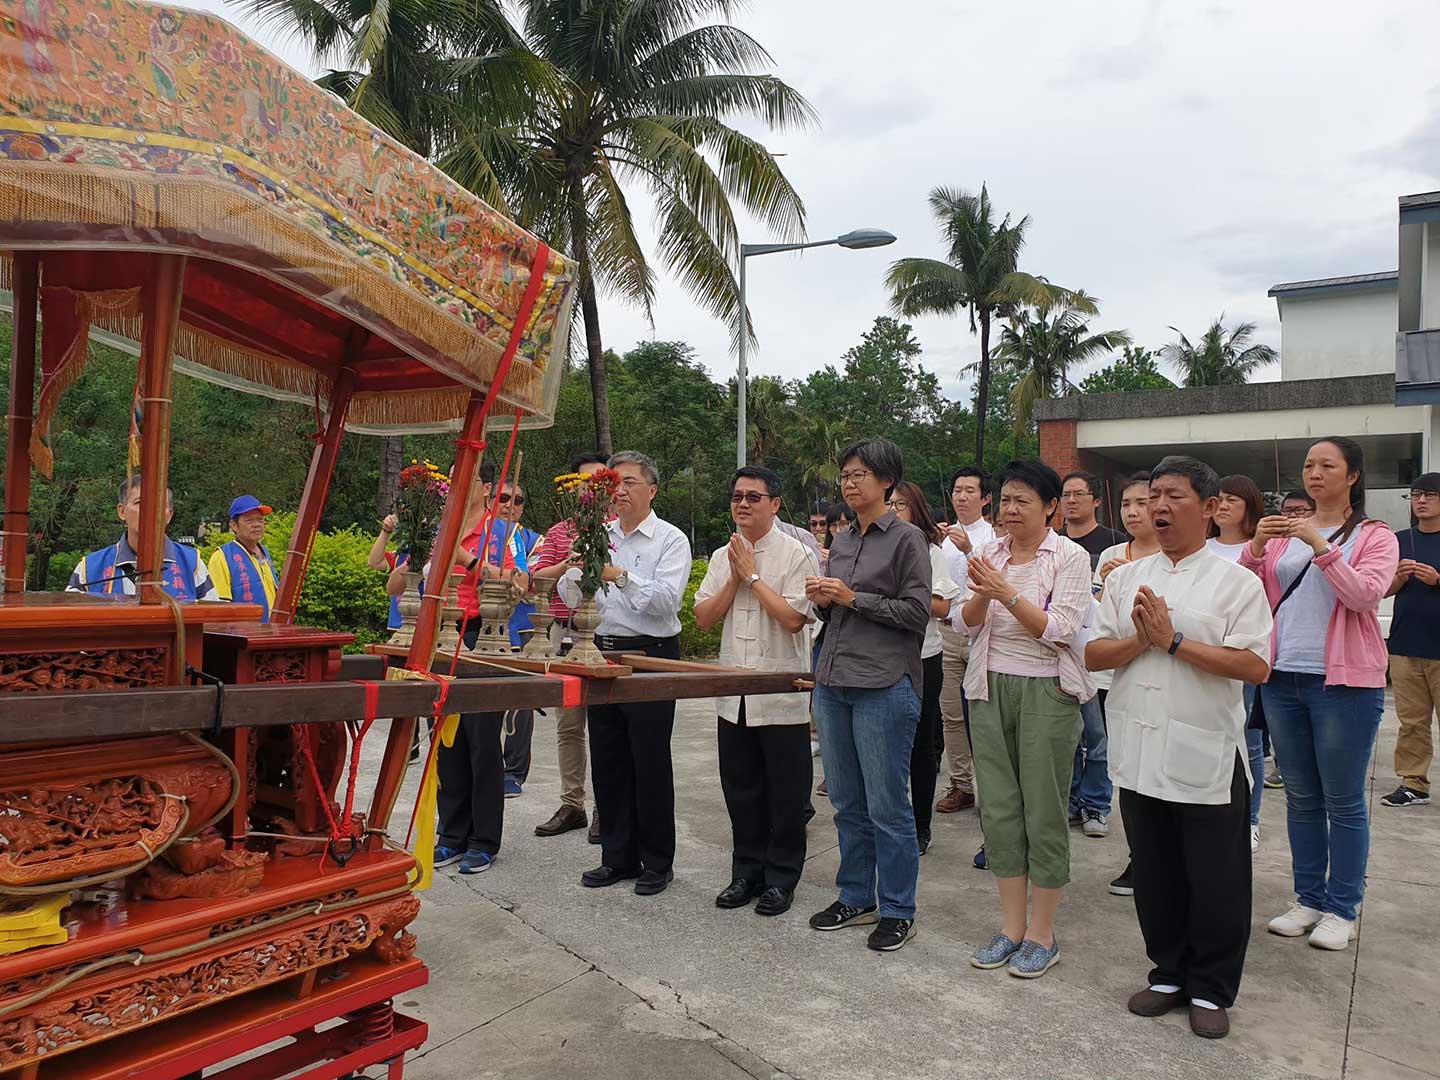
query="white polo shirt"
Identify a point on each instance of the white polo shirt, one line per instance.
(981, 533)
(751, 638)
(1175, 730)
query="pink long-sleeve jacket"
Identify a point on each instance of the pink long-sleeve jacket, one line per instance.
(1354, 646)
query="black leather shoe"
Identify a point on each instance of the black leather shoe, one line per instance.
(774, 901)
(602, 876)
(594, 834)
(652, 882)
(738, 893)
(563, 820)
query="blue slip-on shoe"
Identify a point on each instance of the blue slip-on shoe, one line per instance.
(476, 862)
(446, 856)
(1033, 959)
(996, 954)
(979, 861)
(512, 788)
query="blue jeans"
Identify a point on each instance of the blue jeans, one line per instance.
(866, 736)
(1090, 787)
(1323, 737)
(1255, 750)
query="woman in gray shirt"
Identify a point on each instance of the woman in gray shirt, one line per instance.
(875, 605)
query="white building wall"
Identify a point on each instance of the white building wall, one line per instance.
(1334, 335)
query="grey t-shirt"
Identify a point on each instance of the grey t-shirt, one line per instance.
(1304, 619)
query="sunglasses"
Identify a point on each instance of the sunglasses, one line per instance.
(754, 498)
(518, 500)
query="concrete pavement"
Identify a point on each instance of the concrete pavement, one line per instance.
(533, 976)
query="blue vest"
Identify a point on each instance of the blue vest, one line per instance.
(179, 571)
(246, 585)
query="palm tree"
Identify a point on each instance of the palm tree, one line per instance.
(1222, 357)
(646, 89)
(978, 275)
(817, 451)
(770, 417)
(1043, 343)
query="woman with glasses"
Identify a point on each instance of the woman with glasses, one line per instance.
(1414, 643)
(1231, 530)
(1325, 576)
(1026, 601)
(875, 603)
(909, 505)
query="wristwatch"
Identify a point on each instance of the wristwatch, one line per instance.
(1013, 602)
(622, 579)
(1175, 642)
(752, 579)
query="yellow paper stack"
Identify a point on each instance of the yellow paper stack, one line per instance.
(25, 924)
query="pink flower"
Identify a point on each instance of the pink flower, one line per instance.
(113, 84)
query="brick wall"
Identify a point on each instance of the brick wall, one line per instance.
(1057, 445)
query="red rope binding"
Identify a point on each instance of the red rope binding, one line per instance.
(344, 828)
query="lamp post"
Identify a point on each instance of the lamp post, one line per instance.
(859, 238)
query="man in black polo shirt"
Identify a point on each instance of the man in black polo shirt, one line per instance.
(1415, 643)
(1079, 503)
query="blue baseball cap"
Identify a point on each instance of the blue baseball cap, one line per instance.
(244, 504)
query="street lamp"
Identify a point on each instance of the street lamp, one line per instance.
(856, 239)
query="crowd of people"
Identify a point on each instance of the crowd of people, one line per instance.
(1044, 665)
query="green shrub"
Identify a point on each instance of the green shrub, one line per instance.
(696, 644)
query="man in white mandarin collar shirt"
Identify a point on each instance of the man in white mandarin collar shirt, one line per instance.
(755, 585)
(1183, 630)
(630, 763)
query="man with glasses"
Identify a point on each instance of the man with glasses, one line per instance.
(969, 498)
(631, 767)
(521, 722)
(1415, 643)
(1297, 504)
(817, 526)
(755, 585)
(1079, 503)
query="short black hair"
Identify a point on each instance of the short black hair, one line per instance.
(1144, 476)
(837, 512)
(1204, 479)
(970, 470)
(588, 458)
(769, 477)
(1034, 474)
(132, 483)
(881, 456)
(486, 472)
(1097, 489)
(1303, 496)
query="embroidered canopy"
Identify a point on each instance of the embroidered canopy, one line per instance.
(315, 242)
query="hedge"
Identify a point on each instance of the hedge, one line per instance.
(696, 644)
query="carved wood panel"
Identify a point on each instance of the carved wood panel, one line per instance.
(94, 669)
(282, 666)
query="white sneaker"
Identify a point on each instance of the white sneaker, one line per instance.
(1254, 839)
(1333, 933)
(1296, 921)
(814, 747)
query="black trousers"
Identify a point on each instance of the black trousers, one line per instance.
(517, 744)
(765, 773)
(1192, 888)
(929, 739)
(471, 800)
(634, 778)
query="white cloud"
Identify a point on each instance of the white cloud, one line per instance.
(1176, 160)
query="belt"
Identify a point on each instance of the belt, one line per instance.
(609, 643)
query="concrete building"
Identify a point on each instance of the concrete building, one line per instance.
(1359, 356)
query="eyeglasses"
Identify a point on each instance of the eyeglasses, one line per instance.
(1416, 495)
(518, 500)
(854, 477)
(817, 523)
(1076, 495)
(899, 504)
(632, 482)
(1297, 511)
(752, 497)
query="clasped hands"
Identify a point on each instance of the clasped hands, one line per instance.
(987, 581)
(1151, 616)
(824, 591)
(1420, 571)
(1275, 526)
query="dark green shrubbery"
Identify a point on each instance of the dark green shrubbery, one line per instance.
(696, 644)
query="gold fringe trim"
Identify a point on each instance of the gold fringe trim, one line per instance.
(236, 227)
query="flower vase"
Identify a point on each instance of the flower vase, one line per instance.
(449, 638)
(409, 604)
(540, 647)
(585, 620)
(498, 598)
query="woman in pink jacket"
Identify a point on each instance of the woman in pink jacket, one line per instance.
(1325, 576)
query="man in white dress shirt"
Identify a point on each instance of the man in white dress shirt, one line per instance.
(1183, 630)
(755, 585)
(630, 766)
(969, 495)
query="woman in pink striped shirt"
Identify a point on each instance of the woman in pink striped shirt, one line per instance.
(1027, 600)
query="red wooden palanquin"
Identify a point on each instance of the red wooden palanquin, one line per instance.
(182, 771)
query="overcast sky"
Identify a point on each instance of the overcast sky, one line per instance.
(1177, 159)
